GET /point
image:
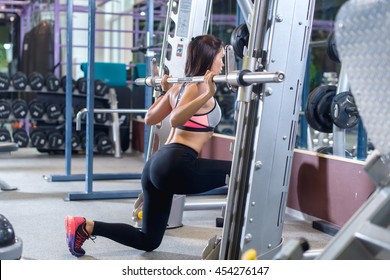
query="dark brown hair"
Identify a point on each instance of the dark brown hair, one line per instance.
(201, 53)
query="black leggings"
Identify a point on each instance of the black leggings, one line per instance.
(173, 169)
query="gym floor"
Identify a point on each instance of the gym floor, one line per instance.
(38, 207)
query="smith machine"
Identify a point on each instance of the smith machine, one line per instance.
(269, 91)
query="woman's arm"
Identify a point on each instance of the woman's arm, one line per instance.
(159, 110)
(161, 107)
(192, 101)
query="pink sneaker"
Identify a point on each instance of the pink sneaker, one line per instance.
(76, 234)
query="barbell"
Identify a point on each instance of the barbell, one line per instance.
(234, 78)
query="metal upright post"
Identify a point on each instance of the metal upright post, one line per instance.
(149, 55)
(90, 94)
(69, 93)
(266, 129)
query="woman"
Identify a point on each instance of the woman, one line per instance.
(175, 168)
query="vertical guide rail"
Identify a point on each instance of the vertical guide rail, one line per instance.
(266, 132)
(259, 18)
(161, 72)
(149, 55)
(90, 94)
(68, 95)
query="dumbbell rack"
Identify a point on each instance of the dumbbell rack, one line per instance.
(48, 135)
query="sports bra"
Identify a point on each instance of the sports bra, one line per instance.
(201, 122)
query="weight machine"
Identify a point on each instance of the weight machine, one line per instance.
(275, 61)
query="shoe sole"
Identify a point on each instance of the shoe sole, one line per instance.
(70, 235)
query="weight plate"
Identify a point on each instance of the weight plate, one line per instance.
(344, 111)
(318, 108)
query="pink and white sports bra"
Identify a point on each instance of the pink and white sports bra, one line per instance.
(201, 122)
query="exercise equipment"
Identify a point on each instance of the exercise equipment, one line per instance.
(76, 141)
(38, 138)
(53, 111)
(5, 109)
(10, 245)
(318, 108)
(36, 81)
(103, 143)
(19, 108)
(5, 135)
(331, 48)
(81, 85)
(19, 81)
(344, 112)
(21, 137)
(239, 39)
(52, 83)
(37, 109)
(240, 78)
(55, 139)
(63, 83)
(4, 81)
(100, 88)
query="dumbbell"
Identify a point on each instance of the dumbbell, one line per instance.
(53, 111)
(55, 139)
(37, 109)
(36, 81)
(52, 83)
(100, 88)
(5, 136)
(76, 141)
(100, 118)
(102, 142)
(63, 83)
(4, 81)
(38, 138)
(81, 85)
(19, 108)
(83, 139)
(5, 109)
(19, 81)
(20, 137)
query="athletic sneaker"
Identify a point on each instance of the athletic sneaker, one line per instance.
(76, 234)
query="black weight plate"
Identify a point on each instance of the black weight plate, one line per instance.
(344, 111)
(239, 39)
(318, 108)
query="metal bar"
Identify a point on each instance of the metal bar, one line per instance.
(109, 30)
(99, 176)
(232, 78)
(95, 111)
(68, 95)
(90, 95)
(204, 206)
